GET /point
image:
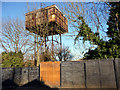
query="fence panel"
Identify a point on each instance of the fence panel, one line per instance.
(107, 74)
(72, 74)
(50, 73)
(117, 64)
(92, 74)
(119, 73)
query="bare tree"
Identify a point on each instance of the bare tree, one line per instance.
(39, 41)
(63, 53)
(14, 36)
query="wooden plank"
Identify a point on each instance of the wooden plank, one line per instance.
(107, 74)
(117, 64)
(119, 73)
(72, 74)
(50, 73)
(92, 74)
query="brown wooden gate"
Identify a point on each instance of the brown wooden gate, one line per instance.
(50, 73)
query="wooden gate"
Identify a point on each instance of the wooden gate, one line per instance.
(50, 73)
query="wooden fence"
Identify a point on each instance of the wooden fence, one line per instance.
(71, 74)
(81, 74)
(91, 74)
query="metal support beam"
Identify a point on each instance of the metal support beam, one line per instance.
(60, 48)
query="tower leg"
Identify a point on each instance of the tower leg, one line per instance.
(60, 48)
(52, 48)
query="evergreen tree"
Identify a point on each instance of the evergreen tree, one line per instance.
(105, 49)
(114, 21)
(114, 29)
(110, 48)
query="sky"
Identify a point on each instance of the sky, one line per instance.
(18, 9)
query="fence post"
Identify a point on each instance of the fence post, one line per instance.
(28, 74)
(1, 69)
(85, 74)
(115, 63)
(39, 73)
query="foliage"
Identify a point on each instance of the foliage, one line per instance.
(114, 21)
(114, 29)
(101, 52)
(12, 59)
(87, 33)
(105, 49)
(28, 64)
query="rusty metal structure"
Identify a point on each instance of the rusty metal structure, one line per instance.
(46, 22)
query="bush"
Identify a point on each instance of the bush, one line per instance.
(12, 59)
